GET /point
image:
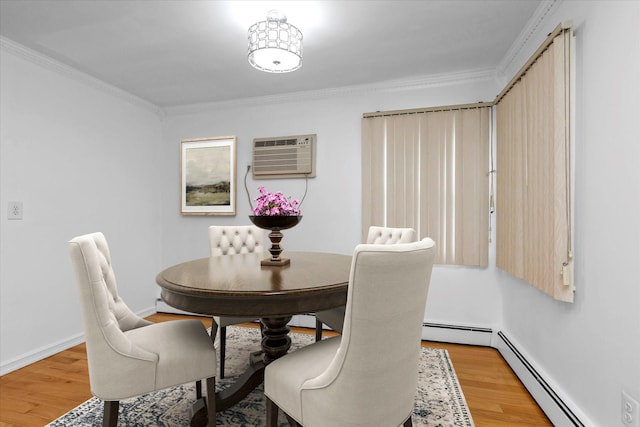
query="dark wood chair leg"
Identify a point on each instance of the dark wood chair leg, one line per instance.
(110, 416)
(272, 412)
(318, 330)
(211, 402)
(198, 389)
(408, 423)
(223, 350)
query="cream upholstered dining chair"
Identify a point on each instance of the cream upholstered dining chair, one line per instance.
(129, 356)
(377, 235)
(357, 379)
(229, 240)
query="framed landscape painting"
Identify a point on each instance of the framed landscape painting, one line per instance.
(208, 176)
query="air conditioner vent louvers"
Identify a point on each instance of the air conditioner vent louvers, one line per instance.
(284, 157)
(276, 142)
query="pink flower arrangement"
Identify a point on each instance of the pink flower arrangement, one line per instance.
(275, 204)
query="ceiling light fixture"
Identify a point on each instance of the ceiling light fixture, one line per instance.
(275, 46)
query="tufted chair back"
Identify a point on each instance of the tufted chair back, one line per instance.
(390, 236)
(127, 355)
(230, 240)
(359, 378)
(106, 317)
(377, 236)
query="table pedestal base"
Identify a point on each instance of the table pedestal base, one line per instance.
(275, 343)
(276, 340)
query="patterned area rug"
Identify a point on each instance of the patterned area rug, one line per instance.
(439, 398)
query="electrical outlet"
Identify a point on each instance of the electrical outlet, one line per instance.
(14, 210)
(630, 411)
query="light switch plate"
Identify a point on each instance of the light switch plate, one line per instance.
(14, 210)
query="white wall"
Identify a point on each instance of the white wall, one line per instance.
(80, 159)
(591, 349)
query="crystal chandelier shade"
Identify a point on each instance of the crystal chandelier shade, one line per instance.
(275, 46)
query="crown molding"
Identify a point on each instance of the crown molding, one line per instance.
(515, 52)
(23, 52)
(355, 90)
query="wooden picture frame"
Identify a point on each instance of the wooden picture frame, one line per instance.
(208, 176)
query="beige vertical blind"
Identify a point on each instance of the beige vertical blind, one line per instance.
(428, 170)
(533, 162)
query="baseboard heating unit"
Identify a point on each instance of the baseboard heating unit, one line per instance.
(459, 334)
(551, 403)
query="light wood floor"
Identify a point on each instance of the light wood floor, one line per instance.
(39, 393)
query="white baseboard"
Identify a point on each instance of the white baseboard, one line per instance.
(556, 405)
(457, 334)
(39, 354)
(49, 350)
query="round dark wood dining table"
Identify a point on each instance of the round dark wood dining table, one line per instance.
(238, 286)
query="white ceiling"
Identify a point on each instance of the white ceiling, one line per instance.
(172, 52)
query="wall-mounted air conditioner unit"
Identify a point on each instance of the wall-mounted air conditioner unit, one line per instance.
(284, 157)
